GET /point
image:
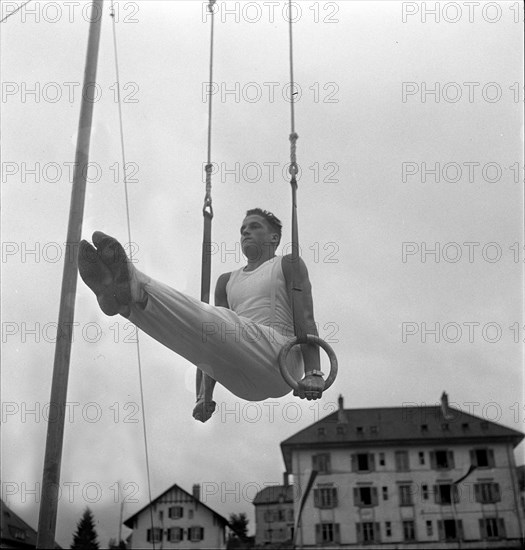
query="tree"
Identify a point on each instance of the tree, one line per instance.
(85, 537)
(239, 526)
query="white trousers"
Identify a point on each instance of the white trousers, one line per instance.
(238, 353)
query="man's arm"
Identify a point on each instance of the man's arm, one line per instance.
(221, 298)
(305, 325)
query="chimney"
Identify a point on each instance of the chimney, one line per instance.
(341, 417)
(285, 479)
(444, 406)
(196, 491)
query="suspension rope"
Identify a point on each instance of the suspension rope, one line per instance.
(297, 305)
(128, 222)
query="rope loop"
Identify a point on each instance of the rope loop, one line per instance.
(294, 168)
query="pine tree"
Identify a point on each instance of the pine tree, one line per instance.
(86, 537)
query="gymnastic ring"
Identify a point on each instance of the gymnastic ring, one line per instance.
(310, 339)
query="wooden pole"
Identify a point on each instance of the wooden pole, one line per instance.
(55, 427)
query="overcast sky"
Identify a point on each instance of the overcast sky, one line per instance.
(411, 142)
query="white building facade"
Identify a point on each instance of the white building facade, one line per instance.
(399, 478)
(177, 519)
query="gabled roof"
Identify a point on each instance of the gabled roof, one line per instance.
(416, 425)
(274, 494)
(15, 530)
(130, 520)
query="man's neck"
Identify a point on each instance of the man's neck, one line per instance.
(253, 264)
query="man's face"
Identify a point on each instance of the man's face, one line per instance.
(256, 236)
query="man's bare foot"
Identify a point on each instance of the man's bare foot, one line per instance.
(204, 410)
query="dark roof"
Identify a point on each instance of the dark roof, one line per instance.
(274, 494)
(15, 532)
(350, 428)
(15, 529)
(129, 521)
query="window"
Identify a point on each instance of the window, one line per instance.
(340, 430)
(465, 427)
(492, 528)
(175, 534)
(424, 428)
(176, 512)
(405, 495)
(325, 497)
(367, 532)
(388, 529)
(409, 530)
(374, 430)
(363, 462)
(190, 514)
(157, 535)
(321, 432)
(450, 529)
(424, 492)
(365, 496)
(487, 492)
(326, 532)
(442, 460)
(385, 493)
(482, 458)
(17, 533)
(381, 459)
(446, 493)
(195, 534)
(321, 463)
(484, 425)
(430, 530)
(445, 427)
(161, 515)
(269, 516)
(402, 461)
(421, 458)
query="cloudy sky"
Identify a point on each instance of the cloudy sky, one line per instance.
(410, 213)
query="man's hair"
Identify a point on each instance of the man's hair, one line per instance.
(273, 221)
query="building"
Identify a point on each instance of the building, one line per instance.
(14, 531)
(177, 519)
(274, 515)
(404, 477)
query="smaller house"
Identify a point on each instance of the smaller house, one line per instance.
(178, 519)
(274, 515)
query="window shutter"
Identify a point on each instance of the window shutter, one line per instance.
(359, 533)
(371, 462)
(335, 497)
(316, 498)
(496, 492)
(433, 464)
(377, 532)
(374, 496)
(318, 533)
(490, 456)
(437, 495)
(482, 528)
(501, 528)
(202, 533)
(354, 463)
(441, 530)
(477, 492)
(149, 535)
(473, 459)
(337, 536)
(450, 459)
(455, 493)
(459, 525)
(357, 499)
(315, 462)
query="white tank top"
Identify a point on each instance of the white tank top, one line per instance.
(261, 296)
